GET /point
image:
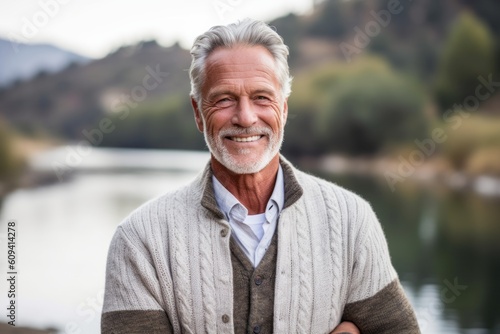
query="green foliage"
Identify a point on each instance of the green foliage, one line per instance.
(470, 145)
(167, 123)
(366, 107)
(469, 53)
(290, 29)
(368, 114)
(330, 21)
(301, 135)
(488, 11)
(484, 161)
(75, 98)
(357, 108)
(7, 160)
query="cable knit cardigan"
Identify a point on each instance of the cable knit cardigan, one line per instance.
(169, 265)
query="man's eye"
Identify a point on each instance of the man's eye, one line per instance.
(224, 102)
(260, 97)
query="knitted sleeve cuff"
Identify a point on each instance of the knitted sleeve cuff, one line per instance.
(388, 311)
(137, 321)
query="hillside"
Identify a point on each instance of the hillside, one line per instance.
(405, 46)
(64, 103)
(21, 62)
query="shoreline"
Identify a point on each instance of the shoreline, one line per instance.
(432, 173)
(8, 329)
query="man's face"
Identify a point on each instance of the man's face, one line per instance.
(243, 113)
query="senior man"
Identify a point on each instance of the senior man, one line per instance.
(252, 245)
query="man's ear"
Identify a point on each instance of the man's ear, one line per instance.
(197, 115)
(285, 110)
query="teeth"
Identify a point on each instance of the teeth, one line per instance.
(245, 139)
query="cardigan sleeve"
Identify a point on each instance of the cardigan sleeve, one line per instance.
(376, 301)
(132, 292)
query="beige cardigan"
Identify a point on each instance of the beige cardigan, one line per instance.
(170, 262)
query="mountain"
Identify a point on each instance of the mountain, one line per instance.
(64, 103)
(22, 62)
(144, 88)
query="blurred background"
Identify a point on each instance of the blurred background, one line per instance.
(398, 101)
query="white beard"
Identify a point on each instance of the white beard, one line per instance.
(221, 154)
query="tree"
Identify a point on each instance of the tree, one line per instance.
(372, 108)
(468, 53)
(7, 163)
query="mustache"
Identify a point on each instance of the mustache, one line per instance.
(254, 130)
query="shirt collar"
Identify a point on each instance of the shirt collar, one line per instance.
(225, 200)
(278, 195)
(293, 189)
(230, 205)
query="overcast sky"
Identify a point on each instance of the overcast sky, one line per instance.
(95, 27)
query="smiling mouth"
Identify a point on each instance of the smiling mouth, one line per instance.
(245, 139)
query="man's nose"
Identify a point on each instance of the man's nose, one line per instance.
(245, 113)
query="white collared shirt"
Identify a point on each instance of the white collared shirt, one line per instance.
(253, 233)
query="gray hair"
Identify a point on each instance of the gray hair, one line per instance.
(246, 32)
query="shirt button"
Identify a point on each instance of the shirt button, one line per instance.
(225, 318)
(258, 280)
(223, 232)
(256, 329)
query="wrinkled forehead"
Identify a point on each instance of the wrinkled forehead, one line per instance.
(242, 63)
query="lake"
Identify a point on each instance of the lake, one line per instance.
(444, 244)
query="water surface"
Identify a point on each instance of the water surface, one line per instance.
(445, 245)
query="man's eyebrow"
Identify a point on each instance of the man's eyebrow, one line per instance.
(217, 93)
(264, 91)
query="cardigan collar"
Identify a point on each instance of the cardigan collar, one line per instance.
(293, 190)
